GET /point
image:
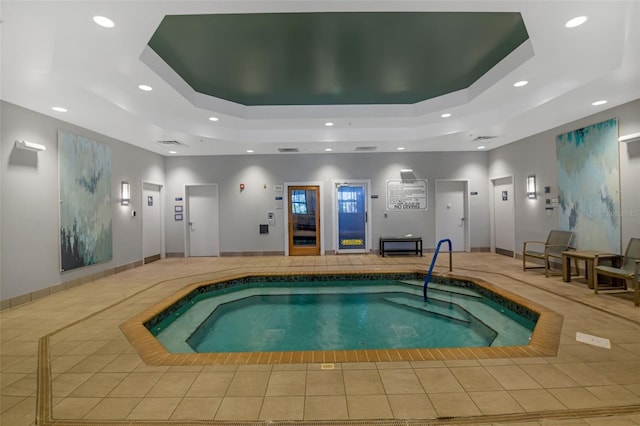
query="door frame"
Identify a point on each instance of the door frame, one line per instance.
(492, 211)
(465, 197)
(369, 226)
(162, 227)
(286, 212)
(186, 214)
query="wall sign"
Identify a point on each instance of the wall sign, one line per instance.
(406, 194)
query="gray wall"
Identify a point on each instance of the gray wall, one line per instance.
(242, 212)
(29, 197)
(537, 155)
(30, 255)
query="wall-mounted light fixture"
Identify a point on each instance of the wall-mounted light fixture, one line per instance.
(531, 186)
(407, 175)
(125, 193)
(632, 137)
(30, 146)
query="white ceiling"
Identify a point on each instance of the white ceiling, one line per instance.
(53, 54)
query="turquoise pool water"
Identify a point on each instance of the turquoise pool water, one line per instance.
(339, 315)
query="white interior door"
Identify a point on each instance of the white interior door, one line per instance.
(151, 221)
(203, 227)
(504, 216)
(451, 213)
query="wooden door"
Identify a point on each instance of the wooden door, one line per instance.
(304, 220)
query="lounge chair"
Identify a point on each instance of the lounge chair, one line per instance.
(628, 271)
(557, 242)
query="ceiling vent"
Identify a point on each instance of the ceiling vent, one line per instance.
(288, 149)
(172, 143)
(483, 138)
(366, 148)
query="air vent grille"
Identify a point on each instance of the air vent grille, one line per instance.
(366, 148)
(172, 143)
(483, 138)
(288, 149)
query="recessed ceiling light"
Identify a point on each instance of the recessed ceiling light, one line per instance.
(249, 151)
(103, 22)
(59, 109)
(400, 148)
(145, 87)
(328, 149)
(445, 115)
(520, 83)
(328, 124)
(598, 103)
(173, 152)
(213, 118)
(481, 147)
(575, 22)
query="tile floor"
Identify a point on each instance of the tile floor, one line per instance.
(65, 360)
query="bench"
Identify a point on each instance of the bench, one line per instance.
(400, 245)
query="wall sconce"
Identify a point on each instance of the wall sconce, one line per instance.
(125, 193)
(531, 186)
(30, 146)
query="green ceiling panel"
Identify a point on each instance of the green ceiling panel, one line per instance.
(335, 58)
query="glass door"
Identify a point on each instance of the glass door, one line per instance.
(352, 218)
(304, 221)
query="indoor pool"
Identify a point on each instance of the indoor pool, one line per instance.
(335, 314)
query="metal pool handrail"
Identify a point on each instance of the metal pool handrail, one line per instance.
(433, 262)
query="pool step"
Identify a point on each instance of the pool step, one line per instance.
(445, 288)
(442, 309)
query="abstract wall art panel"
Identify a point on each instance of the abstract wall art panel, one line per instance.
(85, 201)
(589, 186)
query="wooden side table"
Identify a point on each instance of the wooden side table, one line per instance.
(588, 256)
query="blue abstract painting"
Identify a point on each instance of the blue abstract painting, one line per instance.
(589, 186)
(85, 201)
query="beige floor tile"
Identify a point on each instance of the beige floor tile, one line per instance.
(400, 381)
(113, 409)
(512, 377)
(548, 376)
(282, 408)
(475, 379)
(239, 408)
(438, 380)
(196, 409)
(248, 383)
(64, 384)
(122, 363)
(6, 402)
(211, 383)
(21, 414)
(495, 402)
(362, 382)
(70, 408)
(453, 404)
(325, 383)
(287, 383)
(325, 407)
(368, 407)
(172, 385)
(154, 409)
(576, 398)
(536, 400)
(99, 385)
(614, 395)
(583, 374)
(135, 384)
(406, 406)
(24, 386)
